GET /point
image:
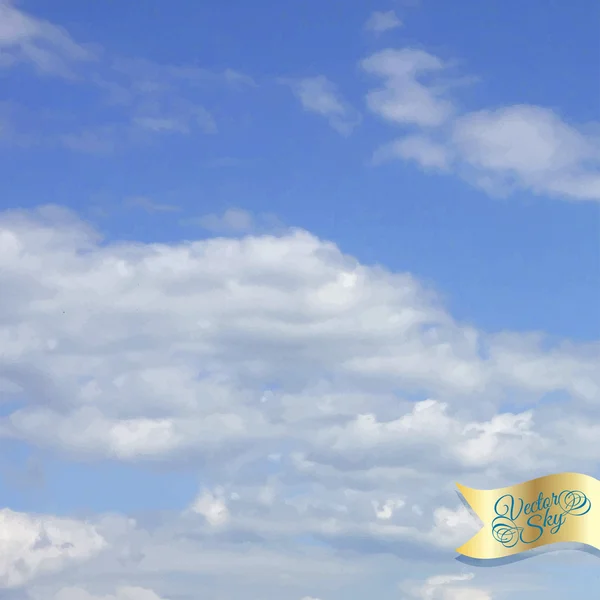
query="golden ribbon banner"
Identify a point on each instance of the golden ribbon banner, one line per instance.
(564, 507)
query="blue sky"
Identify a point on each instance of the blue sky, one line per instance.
(354, 208)
(308, 176)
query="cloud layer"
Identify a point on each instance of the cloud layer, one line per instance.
(338, 402)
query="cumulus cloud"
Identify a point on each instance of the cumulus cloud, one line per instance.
(320, 96)
(404, 98)
(504, 438)
(286, 363)
(332, 404)
(529, 147)
(106, 342)
(499, 150)
(33, 545)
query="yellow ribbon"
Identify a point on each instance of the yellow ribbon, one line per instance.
(564, 507)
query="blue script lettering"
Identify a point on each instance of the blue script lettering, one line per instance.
(506, 527)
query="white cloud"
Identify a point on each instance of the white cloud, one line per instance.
(134, 100)
(23, 38)
(232, 220)
(447, 587)
(32, 545)
(169, 352)
(320, 96)
(404, 98)
(108, 339)
(122, 593)
(385, 510)
(236, 221)
(530, 147)
(87, 431)
(212, 507)
(381, 21)
(420, 148)
(505, 437)
(500, 150)
(453, 526)
(286, 364)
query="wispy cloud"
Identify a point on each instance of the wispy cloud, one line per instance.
(235, 221)
(95, 140)
(143, 76)
(26, 39)
(182, 118)
(381, 21)
(320, 96)
(428, 153)
(236, 78)
(150, 99)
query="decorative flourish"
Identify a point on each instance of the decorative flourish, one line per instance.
(506, 531)
(574, 503)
